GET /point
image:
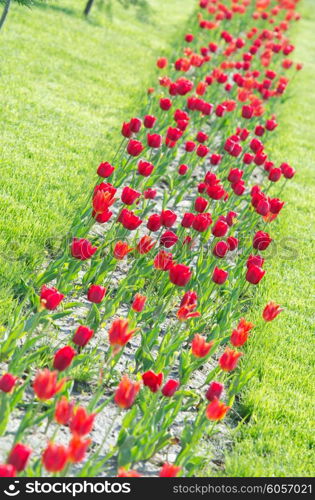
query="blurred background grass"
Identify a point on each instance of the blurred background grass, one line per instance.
(66, 85)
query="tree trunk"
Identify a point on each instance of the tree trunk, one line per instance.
(88, 7)
(5, 12)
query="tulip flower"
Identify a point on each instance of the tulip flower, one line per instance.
(170, 387)
(129, 220)
(199, 347)
(261, 240)
(154, 222)
(255, 260)
(270, 312)
(240, 334)
(168, 239)
(255, 274)
(150, 194)
(55, 457)
(187, 220)
(7, 382)
(77, 448)
(81, 422)
(219, 276)
(200, 204)
(232, 243)
(126, 392)
(219, 229)
(103, 197)
(135, 125)
(105, 169)
(163, 260)
(7, 470)
(180, 274)
(121, 249)
(138, 302)
(168, 218)
(63, 411)
(145, 168)
(214, 390)
(50, 298)
(182, 169)
(216, 410)
(220, 249)
(202, 222)
(229, 359)
(82, 249)
(96, 293)
(152, 380)
(82, 335)
(149, 121)
(134, 147)
(119, 334)
(63, 358)
(154, 140)
(122, 472)
(161, 62)
(165, 104)
(46, 384)
(129, 195)
(19, 456)
(145, 244)
(169, 470)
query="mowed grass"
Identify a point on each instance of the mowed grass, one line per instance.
(66, 85)
(278, 438)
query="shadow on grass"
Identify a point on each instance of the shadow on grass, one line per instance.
(57, 8)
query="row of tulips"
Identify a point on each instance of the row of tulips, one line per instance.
(153, 288)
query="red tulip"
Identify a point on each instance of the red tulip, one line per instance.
(145, 168)
(82, 335)
(63, 411)
(220, 249)
(82, 249)
(119, 334)
(199, 347)
(138, 302)
(134, 147)
(96, 293)
(19, 456)
(129, 220)
(154, 140)
(229, 359)
(149, 194)
(215, 390)
(50, 298)
(180, 274)
(46, 385)
(254, 274)
(219, 229)
(152, 380)
(77, 449)
(240, 334)
(55, 457)
(216, 410)
(154, 222)
(170, 388)
(271, 311)
(182, 169)
(169, 470)
(187, 220)
(168, 218)
(149, 121)
(135, 125)
(200, 204)
(7, 470)
(165, 104)
(255, 260)
(121, 249)
(261, 240)
(163, 260)
(168, 239)
(126, 392)
(202, 222)
(145, 244)
(63, 357)
(129, 195)
(232, 243)
(81, 422)
(7, 382)
(122, 472)
(105, 169)
(219, 276)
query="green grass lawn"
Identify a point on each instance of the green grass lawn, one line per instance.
(278, 439)
(66, 85)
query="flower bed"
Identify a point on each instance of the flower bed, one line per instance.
(137, 329)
